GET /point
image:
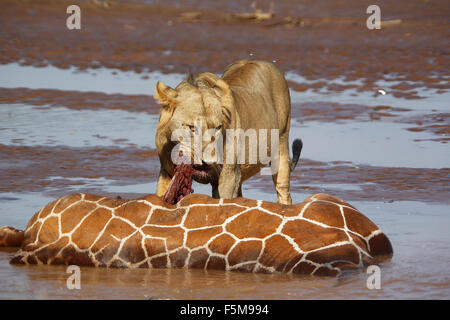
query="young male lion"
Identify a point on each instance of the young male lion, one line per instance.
(250, 100)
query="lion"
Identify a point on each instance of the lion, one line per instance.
(249, 95)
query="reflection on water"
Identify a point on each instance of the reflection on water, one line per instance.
(40, 282)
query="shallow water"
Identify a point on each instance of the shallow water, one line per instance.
(98, 80)
(379, 143)
(418, 230)
(115, 81)
(38, 126)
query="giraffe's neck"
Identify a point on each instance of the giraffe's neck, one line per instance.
(322, 235)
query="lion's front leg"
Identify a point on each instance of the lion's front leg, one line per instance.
(282, 178)
(229, 181)
(163, 183)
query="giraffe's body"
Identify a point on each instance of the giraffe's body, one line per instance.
(322, 235)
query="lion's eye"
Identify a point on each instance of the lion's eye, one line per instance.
(219, 127)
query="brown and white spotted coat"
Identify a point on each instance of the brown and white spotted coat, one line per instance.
(323, 235)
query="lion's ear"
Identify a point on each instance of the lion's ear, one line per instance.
(164, 95)
(219, 86)
(223, 91)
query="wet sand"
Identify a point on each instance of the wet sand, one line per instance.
(76, 114)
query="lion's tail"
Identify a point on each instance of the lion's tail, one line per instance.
(297, 146)
(11, 237)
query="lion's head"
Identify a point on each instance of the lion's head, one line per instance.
(198, 107)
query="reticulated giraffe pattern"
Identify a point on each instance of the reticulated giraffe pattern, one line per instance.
(323, 235)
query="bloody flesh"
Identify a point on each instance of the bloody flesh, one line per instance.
(180, 185)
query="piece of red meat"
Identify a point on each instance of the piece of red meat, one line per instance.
(180, 185)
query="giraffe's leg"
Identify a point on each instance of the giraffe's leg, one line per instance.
(163, 183)
(281, 178)
(11, 237)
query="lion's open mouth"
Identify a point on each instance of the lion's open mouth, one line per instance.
(181, 183)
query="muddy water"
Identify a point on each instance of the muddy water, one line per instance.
(83, 120)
